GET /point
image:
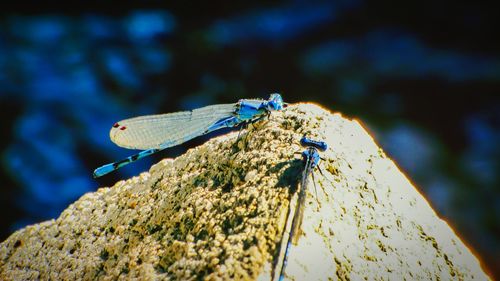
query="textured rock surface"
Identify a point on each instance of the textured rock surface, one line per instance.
(218, 212)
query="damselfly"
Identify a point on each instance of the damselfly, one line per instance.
(153, 133)
(311, 158)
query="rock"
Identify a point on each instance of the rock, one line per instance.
(219, 210)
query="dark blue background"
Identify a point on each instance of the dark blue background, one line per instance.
(424, 77)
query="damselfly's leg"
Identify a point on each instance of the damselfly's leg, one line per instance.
(235, 146)
(243, 126)
(315, 189)
(319, 169)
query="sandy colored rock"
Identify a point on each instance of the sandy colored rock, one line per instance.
(218, 212)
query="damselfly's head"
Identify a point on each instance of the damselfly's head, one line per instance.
(275, 102)
(307, 142)
(311, 153)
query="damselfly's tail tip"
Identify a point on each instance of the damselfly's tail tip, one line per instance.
(103, 170)
(96, 174)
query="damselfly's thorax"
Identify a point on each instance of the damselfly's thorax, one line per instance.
(253, 109)
(311, 156)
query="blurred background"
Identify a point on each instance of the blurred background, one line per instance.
(423, 77)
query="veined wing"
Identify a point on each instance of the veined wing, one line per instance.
(301, 200)
(166, 130)
(296, 215)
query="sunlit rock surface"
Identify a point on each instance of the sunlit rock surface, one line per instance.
(219, 210)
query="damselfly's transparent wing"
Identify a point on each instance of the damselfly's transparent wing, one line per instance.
(295, 215)
(301, 202)
(166, 130)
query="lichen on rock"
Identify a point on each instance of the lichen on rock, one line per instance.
(219, 210)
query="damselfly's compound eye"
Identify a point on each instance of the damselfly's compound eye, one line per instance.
(305, 142)
(275, 102)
